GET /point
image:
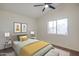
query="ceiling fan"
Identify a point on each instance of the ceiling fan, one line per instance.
(46, 5)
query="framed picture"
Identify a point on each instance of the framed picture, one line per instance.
(17, 27)
(24, 27)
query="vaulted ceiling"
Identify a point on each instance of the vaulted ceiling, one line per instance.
(26, 9)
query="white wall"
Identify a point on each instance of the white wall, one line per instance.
(6, 24)
(71, 11)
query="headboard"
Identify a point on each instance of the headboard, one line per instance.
(16, 37)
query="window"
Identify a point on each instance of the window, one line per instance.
(52, 27)
(62, 26)
(58, 26)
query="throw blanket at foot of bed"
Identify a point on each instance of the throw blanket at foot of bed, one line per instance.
(32, 48)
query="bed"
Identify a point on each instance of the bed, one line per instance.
(34, 47)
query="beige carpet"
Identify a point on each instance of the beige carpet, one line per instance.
(62, 52)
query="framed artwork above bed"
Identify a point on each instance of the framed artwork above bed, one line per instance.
(24, 27)
(20, 27)
(17, 27)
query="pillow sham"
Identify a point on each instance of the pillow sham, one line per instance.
(22, 37)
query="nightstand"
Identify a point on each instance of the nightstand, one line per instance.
(8, 44)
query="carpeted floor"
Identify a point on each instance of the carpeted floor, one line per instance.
(7, 52)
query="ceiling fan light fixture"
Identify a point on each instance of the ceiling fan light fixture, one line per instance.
(46, 6)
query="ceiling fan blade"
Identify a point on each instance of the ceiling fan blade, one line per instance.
(51, 7)
(38, 5)
(43, 9)
(48, 3)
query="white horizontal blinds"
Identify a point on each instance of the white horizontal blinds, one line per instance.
(58, 27)
(52, 27)
(62, 26)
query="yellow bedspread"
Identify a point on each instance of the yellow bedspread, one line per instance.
(31, 49)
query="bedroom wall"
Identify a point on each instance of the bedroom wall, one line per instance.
(71, 41)
(6, 24)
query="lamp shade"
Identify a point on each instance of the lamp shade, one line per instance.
(32, 35)
(7, 34)
(32, 32)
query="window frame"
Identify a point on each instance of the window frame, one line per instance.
(57, 26)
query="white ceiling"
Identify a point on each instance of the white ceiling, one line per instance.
(26, 9)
